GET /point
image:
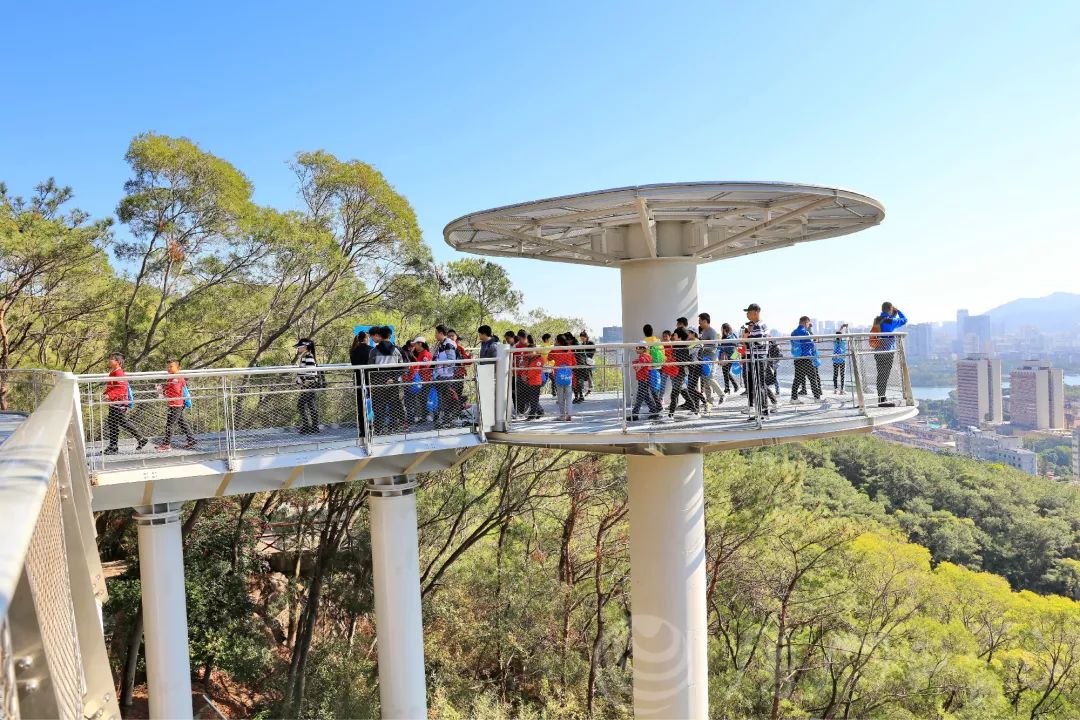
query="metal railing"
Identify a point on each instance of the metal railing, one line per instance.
(52, 655)
(23, 389)
(222, 414)
(750, 382)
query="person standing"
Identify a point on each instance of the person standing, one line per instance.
(755, 335)
(308, 379)
(839, 360)
(695, 399)
(728, 348)
(359, 354)
(890, 320)
(643, 394)
(445, 351)
(708, 355)
(585, 359)
(174, 390)
(656, 352)
(803, 351)
(563, 360)
(117, 395)
(488, 344)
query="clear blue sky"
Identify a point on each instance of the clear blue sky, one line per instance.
(962, 117)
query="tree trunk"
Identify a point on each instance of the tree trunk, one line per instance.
(127, 683)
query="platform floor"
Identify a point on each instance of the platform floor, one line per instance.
(263, 441)
(600, 417)
(9, 422)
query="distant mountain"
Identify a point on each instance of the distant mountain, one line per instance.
(1053, 313)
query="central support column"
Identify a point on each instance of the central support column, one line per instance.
(667, 522)
(399, 627)
(667, 586)
(161, 570)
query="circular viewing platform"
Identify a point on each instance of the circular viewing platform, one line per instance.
(702, 221)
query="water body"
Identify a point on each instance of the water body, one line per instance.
(942, 393)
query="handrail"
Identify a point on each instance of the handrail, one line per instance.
(28, 459)
(276, 369)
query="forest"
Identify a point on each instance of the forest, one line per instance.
(847, 578)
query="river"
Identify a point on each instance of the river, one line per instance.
(942, 393)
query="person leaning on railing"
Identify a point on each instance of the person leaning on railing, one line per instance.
(889, 321)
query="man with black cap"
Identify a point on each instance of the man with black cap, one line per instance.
(307, 402)
(755, 335)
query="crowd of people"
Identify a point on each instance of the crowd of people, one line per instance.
(424, 383)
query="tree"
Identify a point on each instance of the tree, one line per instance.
(55, 281)
(185, 209)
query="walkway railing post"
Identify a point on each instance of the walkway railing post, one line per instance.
(161, 569)
(364, 402)
(227, 421)
(502, 385)
(905, 376)
(857, 376)
(399, 626)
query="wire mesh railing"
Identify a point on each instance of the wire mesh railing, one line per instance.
(674, 385)
(52, 648)
(23, 389)
(195, 415)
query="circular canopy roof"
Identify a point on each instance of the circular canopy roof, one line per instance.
(704, 221)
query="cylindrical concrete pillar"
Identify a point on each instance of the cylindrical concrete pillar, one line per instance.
(161, 569)
(399, 624)
(667, 586)
(656, 292)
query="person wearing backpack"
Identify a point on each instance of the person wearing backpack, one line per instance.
(178, 400)
(839, 360)
(308, 379)
(889, 321)
(117, 395)
(446, 350)
(387, 409)
(563, 360)
(728, 349)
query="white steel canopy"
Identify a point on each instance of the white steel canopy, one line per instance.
(703, 221)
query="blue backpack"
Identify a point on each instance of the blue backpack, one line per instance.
(187, 398)
(564, 376)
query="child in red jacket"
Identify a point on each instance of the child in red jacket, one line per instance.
(116, 396)
(642, 366)
(173, 390)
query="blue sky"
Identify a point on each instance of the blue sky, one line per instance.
(961, 117)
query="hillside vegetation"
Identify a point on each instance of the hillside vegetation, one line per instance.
(819, 604)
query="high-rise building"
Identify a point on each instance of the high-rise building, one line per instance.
(612, 334)
(978, 391)
(961, 328)
(920, 341)
(977, 334)
(1037, 396)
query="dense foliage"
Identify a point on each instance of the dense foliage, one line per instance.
(820, 603)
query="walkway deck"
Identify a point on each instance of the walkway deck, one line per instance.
(598, 424)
